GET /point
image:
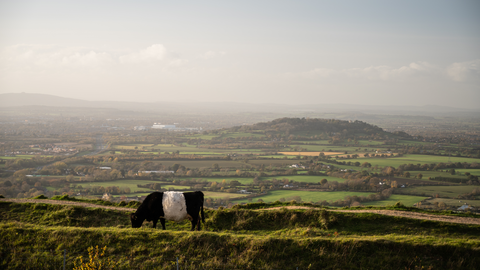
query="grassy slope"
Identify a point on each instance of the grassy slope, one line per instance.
(238, 239)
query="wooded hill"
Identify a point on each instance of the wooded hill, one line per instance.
(317, 125)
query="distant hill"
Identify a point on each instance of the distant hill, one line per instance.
(316, 125)
(28, 99)
(11, 100)
(350, 111)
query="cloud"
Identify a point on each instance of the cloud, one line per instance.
(51, 56)
(385, 73)
(156, 52)
(31, 56)
(211, 54)
(372, 73)
(464, 71)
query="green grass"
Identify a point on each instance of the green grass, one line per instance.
(404, 199)
(278, 156)
(327, 148)
(132, 184)
(456, 202)
(222, 195)
(35, 237)
(314, 179)
(443, 191)
(411, 159)
(432, 174)
(19, 156)
(306, 196)
(246, 181)
(316, 196)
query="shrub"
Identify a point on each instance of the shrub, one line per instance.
(95, 260)
(63, 198)
(399, 205)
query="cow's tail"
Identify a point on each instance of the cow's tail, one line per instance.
(201, 205)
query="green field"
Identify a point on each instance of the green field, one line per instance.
(443, 191)
(314, 179)
(456, 202)
(404, 199)
(306, 196)
(221, 195)
(412, 159)
(132, 184)
(22, 156)
(334, 148)
(427, 174)
(309, 196)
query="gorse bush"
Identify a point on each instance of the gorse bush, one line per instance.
(96, 260)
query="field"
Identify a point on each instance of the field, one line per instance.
(313, 179)
(261, 212)
(240, 238)
(243, 154)
(132, 184)
(413, 159)
(18, 156)
(404, 199)
(306, 196)
(314, 154)
(456, 202)
(442, 191)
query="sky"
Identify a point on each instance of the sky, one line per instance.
(365, 52)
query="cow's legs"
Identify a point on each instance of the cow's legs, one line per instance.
(162, 221)
(155, 220)
(195, 221)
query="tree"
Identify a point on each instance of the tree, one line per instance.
(389, 171)
(394, 184)
(157, 186)
(406, 174)
(323, 181)
(419, 176)
(442, 205)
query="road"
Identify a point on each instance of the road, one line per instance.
(99, 146)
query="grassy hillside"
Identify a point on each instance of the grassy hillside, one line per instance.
(36, 235)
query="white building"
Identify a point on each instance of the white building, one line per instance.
(159, 126)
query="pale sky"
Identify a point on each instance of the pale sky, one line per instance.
(409, 52)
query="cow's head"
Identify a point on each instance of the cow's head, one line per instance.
(136, 220)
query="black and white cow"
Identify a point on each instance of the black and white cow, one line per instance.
(170, 205)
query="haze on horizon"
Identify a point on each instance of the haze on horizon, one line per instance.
(368, 52)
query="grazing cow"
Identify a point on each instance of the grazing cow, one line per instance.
(170, 205)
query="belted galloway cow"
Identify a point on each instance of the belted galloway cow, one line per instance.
(170, 205)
